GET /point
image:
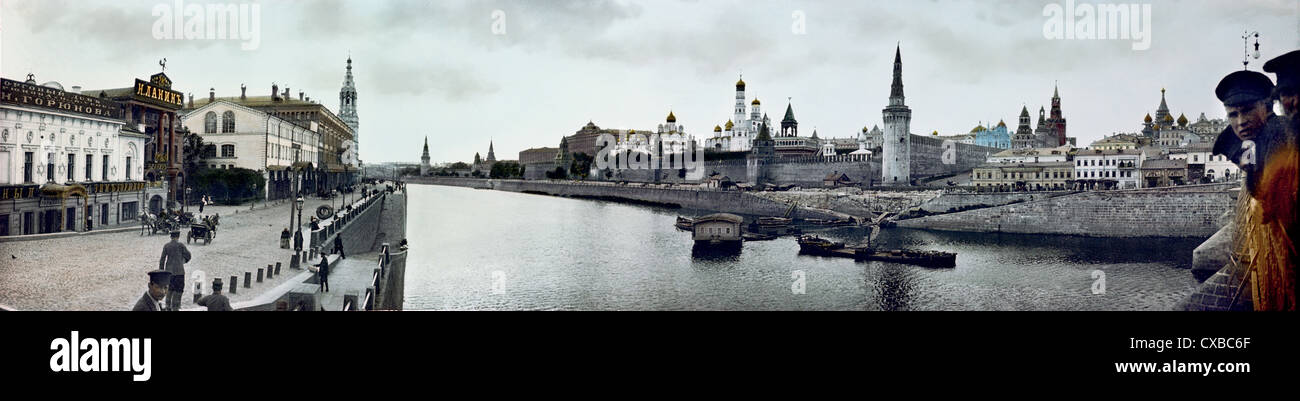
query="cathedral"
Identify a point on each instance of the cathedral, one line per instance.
(1050, 131)
(739, 132)
(1166, 132)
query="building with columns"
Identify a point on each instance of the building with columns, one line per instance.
(69, 162)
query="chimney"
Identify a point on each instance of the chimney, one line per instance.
(286, 93)
(76, 89)
(243, 90)
(299, 95)
(212, 95)
(191, 100)
(275, 91)
(309, 98)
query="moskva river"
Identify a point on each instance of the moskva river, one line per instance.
(492, 250)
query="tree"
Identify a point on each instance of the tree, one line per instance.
(581, 165)
(192, 154)
(477, 160)
(229, 186)
(459, 166)
(505, 169)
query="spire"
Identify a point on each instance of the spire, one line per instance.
(789, 115)
(1164, 108)
(896, 89)
(1056, 91)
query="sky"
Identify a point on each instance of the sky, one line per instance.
(525, 73)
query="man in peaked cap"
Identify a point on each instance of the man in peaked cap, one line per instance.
(159, 280)
(1247, 97)
(216, 301)
(1287, 69)
(174, 256)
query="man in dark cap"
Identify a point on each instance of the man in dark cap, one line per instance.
(1287, 68)
(216, 301)
(1252, 126)
(174, 256)
(159, 280)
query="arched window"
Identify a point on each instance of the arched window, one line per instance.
(227, 150)
(210, 123)
(228, 122)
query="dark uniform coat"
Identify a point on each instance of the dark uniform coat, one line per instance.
(174, 256)
(1270, 138)
(146, 304)
(216, 302)
(297, 240)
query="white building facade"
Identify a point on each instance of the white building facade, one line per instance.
(236, 136)
(67, 161)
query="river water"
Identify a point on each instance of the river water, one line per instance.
(493, 250)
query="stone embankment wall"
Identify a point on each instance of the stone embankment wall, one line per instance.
(702, 199)
(1188, 211)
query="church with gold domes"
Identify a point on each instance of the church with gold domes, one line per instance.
(737, 134)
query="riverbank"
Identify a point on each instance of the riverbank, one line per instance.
(107, 271)
(728, 201)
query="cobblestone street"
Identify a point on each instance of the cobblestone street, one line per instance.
(107, 271)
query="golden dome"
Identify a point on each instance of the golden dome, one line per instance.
(1169, 118)
(1148, 118)
(730, 125)
(978, 128)
(936, 133)
(740, 85)
(1182, 119)
(717, 128)
(671, 117)
(755, 102)
(864, 129)
(1002, 123)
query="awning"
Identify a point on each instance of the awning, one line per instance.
(62, 191)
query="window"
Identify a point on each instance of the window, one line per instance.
(27, 166)
(210, 123)
(90, 162)
(128, 167)
(227, 150)
(130, 211)
(228, 122)
(72, 166)
(103, 171)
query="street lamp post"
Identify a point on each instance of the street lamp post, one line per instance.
(185, 206)
(299, 202)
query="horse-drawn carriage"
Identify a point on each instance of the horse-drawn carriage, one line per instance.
(205, 230)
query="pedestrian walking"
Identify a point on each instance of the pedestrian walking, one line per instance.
(173, 259)
(323, 272)
(338, 246)
(216, 302)
(159, 280)
(203, 200)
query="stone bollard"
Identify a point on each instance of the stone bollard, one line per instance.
(234, 284)
(197, 287)
(293, 261)
(248, 279)
(350, 299)
(259, 274)
(277, 268)
(370, 291)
